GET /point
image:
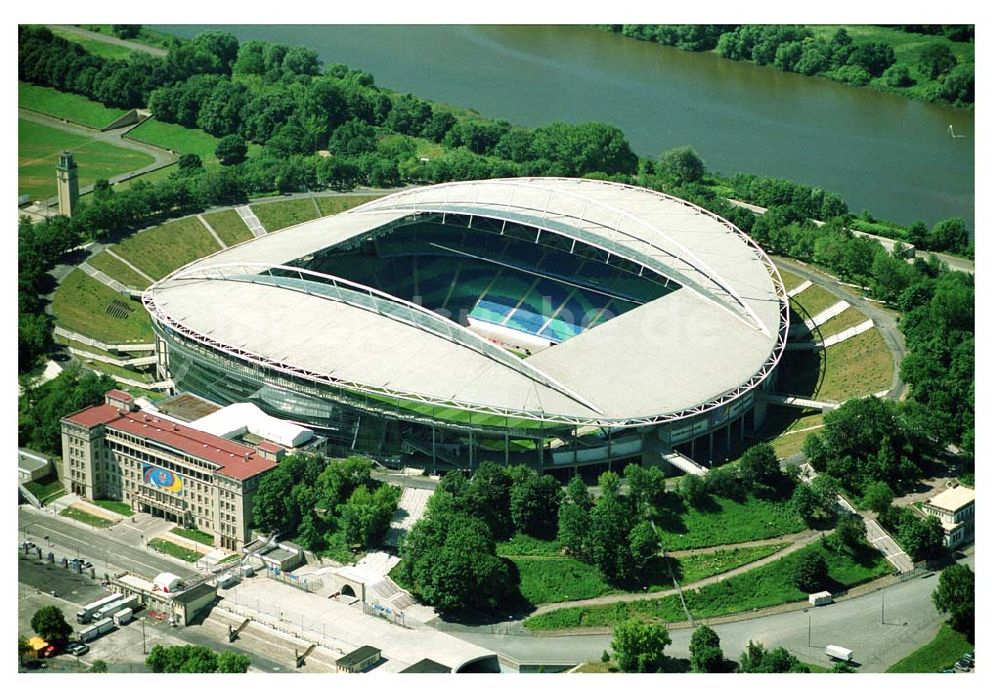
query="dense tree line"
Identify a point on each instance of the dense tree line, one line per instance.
(40, 407)
(797, 49)
(194, 659)
(322, 504)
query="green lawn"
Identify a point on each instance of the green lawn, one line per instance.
(195, 535)
(115, 506)
(699, 566)
(176, 138)
(38, 149)
(724, 521)
(769, 585)
(337, 204)
(859, 366)
(942, 652)
(229, 227)
(137, 378)
(87, 518)
(794, 434)
(524, 545)
(163, 249)
(68, 106)
(46, 489)
(790, 279)
(116, 269)
(110, 51)
(151, 177)
(82, 304)
(845, 319)
(812, 301)
(276, 215)
(172, 549)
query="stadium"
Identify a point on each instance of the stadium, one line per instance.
(547, 321)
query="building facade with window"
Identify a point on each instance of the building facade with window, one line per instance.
(956, 509)
(159, 466)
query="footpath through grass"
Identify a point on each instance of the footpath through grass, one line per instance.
(172, 549)
(159, 251)
(229, 227)
(67, 106)
(87, 518)
(87, 306)
(942, 652)
(38, 149)
(769, 585)
(114, 268)
(720, 521)
(194, 535)
(276, 215)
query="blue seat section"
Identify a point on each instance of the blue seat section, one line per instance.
(560, 331)
(526, 321)
(491, 310)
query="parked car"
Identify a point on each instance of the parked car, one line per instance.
(28, 545)
(962, 665)
(77, 648)
(971, 658)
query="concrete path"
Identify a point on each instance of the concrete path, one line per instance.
(107, 347)
(113, 40)
(798, 541)
(131, 265)
(211, 230)
(251, 220)
(801, 287)
(840, 337)
(812, 322)
(103, 277)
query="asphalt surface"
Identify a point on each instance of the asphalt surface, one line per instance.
(113, 40)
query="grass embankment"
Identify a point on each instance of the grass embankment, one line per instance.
(942, 652)
(87, 518)
(159, 251)
(330, 205)
(176, 138)
(276, 215)
(172, 549)
(229, 227)
(721, 521)
(115, 507)
(151, 177)
(547, 576)
(786, 428)
(46, 489)
(146, 36)
(87, 306)
(67, 106)
(110, 51)
(137, 379)
(38, 149)
(790, 280)
(842, 321)
(856, 367)
(769, 585)
(812, 301)
(194, 535)
(114, 268)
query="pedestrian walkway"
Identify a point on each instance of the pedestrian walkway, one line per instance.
(131, 265)
(107, 347)
(801, 287)
(251, 220)
(412, 504)
(845, 334)
(211, 230)
(803, 329)
(109, 281)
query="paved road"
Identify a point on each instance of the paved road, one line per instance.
(113, 40)
(885, 321)
(910, 622)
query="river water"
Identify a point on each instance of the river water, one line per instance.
(885, 153)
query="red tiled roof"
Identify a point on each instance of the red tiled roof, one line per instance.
(269, 447)
(94, 416)
(234, 459)
(116, 394)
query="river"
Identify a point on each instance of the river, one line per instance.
(884, 153)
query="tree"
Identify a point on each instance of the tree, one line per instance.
(875, 57)
(231, 662)
(948, 235)
(488, 498)
(842, 667)
(48, 622)
(759, 465)
(850, 532)
(935, 59)
(645, 486)
(644, 544)
(805, 502)
(534, 503)
(826, 489)
(757, 659)
(706, 652)
(637, 646)
(921, 538)
(955, 595)
(681, 165)
(810, 573)
(231, 149)
(189, 163)
(609, 543)
(877, 497)
(692, 489)
(99, 666)
(574, 518)
(126, 31)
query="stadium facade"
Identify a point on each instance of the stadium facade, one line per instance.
(549, 321)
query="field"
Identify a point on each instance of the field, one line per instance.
(38, 148)
(229, 227)
(87, 518)
(276, 215)
(67, 106)
(812, 301)
(942, 652)
(82, 304)
(845, 319)
(99, 48)
(114, 268)
(724, 521)
(176, 138)
(172, 549)
(859, 366)
(160, 250)
(330, 205)
(193, 534)
(769, 585)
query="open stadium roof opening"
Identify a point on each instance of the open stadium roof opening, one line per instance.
(549, 300)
